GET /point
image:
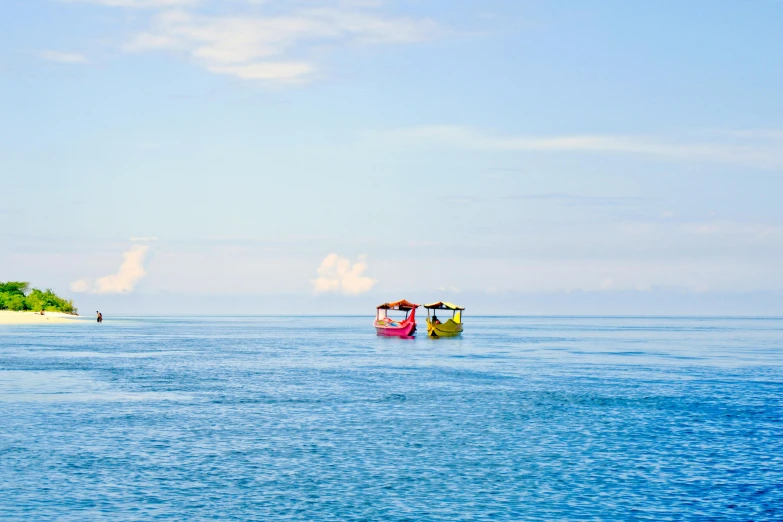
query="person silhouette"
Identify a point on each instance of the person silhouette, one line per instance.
(100, 316)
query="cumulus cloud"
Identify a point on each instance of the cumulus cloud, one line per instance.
(62, 57)
(337, 274)
(124, 281)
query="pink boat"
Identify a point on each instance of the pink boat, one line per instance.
(385, 325)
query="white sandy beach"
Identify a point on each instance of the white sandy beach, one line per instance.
(9, 317)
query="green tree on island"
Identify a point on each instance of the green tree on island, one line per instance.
(17, 295)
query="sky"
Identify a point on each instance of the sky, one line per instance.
(325, 156)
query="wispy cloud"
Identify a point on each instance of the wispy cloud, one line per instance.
(576, 199)
(270, 41)
(275, 48)
(124, 281)
(756, 134)
(451, 288)
(731, 228)
(63, 57)
(553, 197)
(463, 200)
(274, 71)
(757, 149)
(138, 4)
(337, 274)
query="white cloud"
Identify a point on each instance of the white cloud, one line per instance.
(762, 150)
(337, 274)
(62, 57)
(278, 71)
(124, 281)
(274, 48)
(144, 239)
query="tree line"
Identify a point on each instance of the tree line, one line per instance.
(18, 296)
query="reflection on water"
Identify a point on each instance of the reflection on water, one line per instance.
(319, 419)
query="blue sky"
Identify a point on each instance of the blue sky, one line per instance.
(517, 156)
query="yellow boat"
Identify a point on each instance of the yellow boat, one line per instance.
(450, 328)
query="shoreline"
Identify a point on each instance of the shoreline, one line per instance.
(8, 317)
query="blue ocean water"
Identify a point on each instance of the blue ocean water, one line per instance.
(316, 418)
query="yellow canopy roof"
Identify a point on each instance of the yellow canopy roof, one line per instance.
(441, 305)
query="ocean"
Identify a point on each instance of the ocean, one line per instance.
(316, 418)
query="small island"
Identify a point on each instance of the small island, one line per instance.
(20, 304)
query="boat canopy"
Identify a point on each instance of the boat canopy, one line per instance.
(398, 305)
(443, 305)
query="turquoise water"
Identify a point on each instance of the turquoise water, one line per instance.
(319, 419)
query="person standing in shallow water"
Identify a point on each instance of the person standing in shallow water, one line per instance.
(100, 317)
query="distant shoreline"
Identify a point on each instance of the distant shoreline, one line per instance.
(8, 317)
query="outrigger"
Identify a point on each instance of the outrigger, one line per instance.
(385, 325)
(451, 328)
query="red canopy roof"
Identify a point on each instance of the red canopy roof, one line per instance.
(398, 305)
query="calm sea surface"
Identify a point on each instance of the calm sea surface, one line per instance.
(316, 418)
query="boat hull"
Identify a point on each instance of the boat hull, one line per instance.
(404, 330)
(447, 329)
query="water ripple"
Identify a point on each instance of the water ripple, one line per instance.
(520, 419)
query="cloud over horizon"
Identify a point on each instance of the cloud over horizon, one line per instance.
(337, 274)
(124, 281)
